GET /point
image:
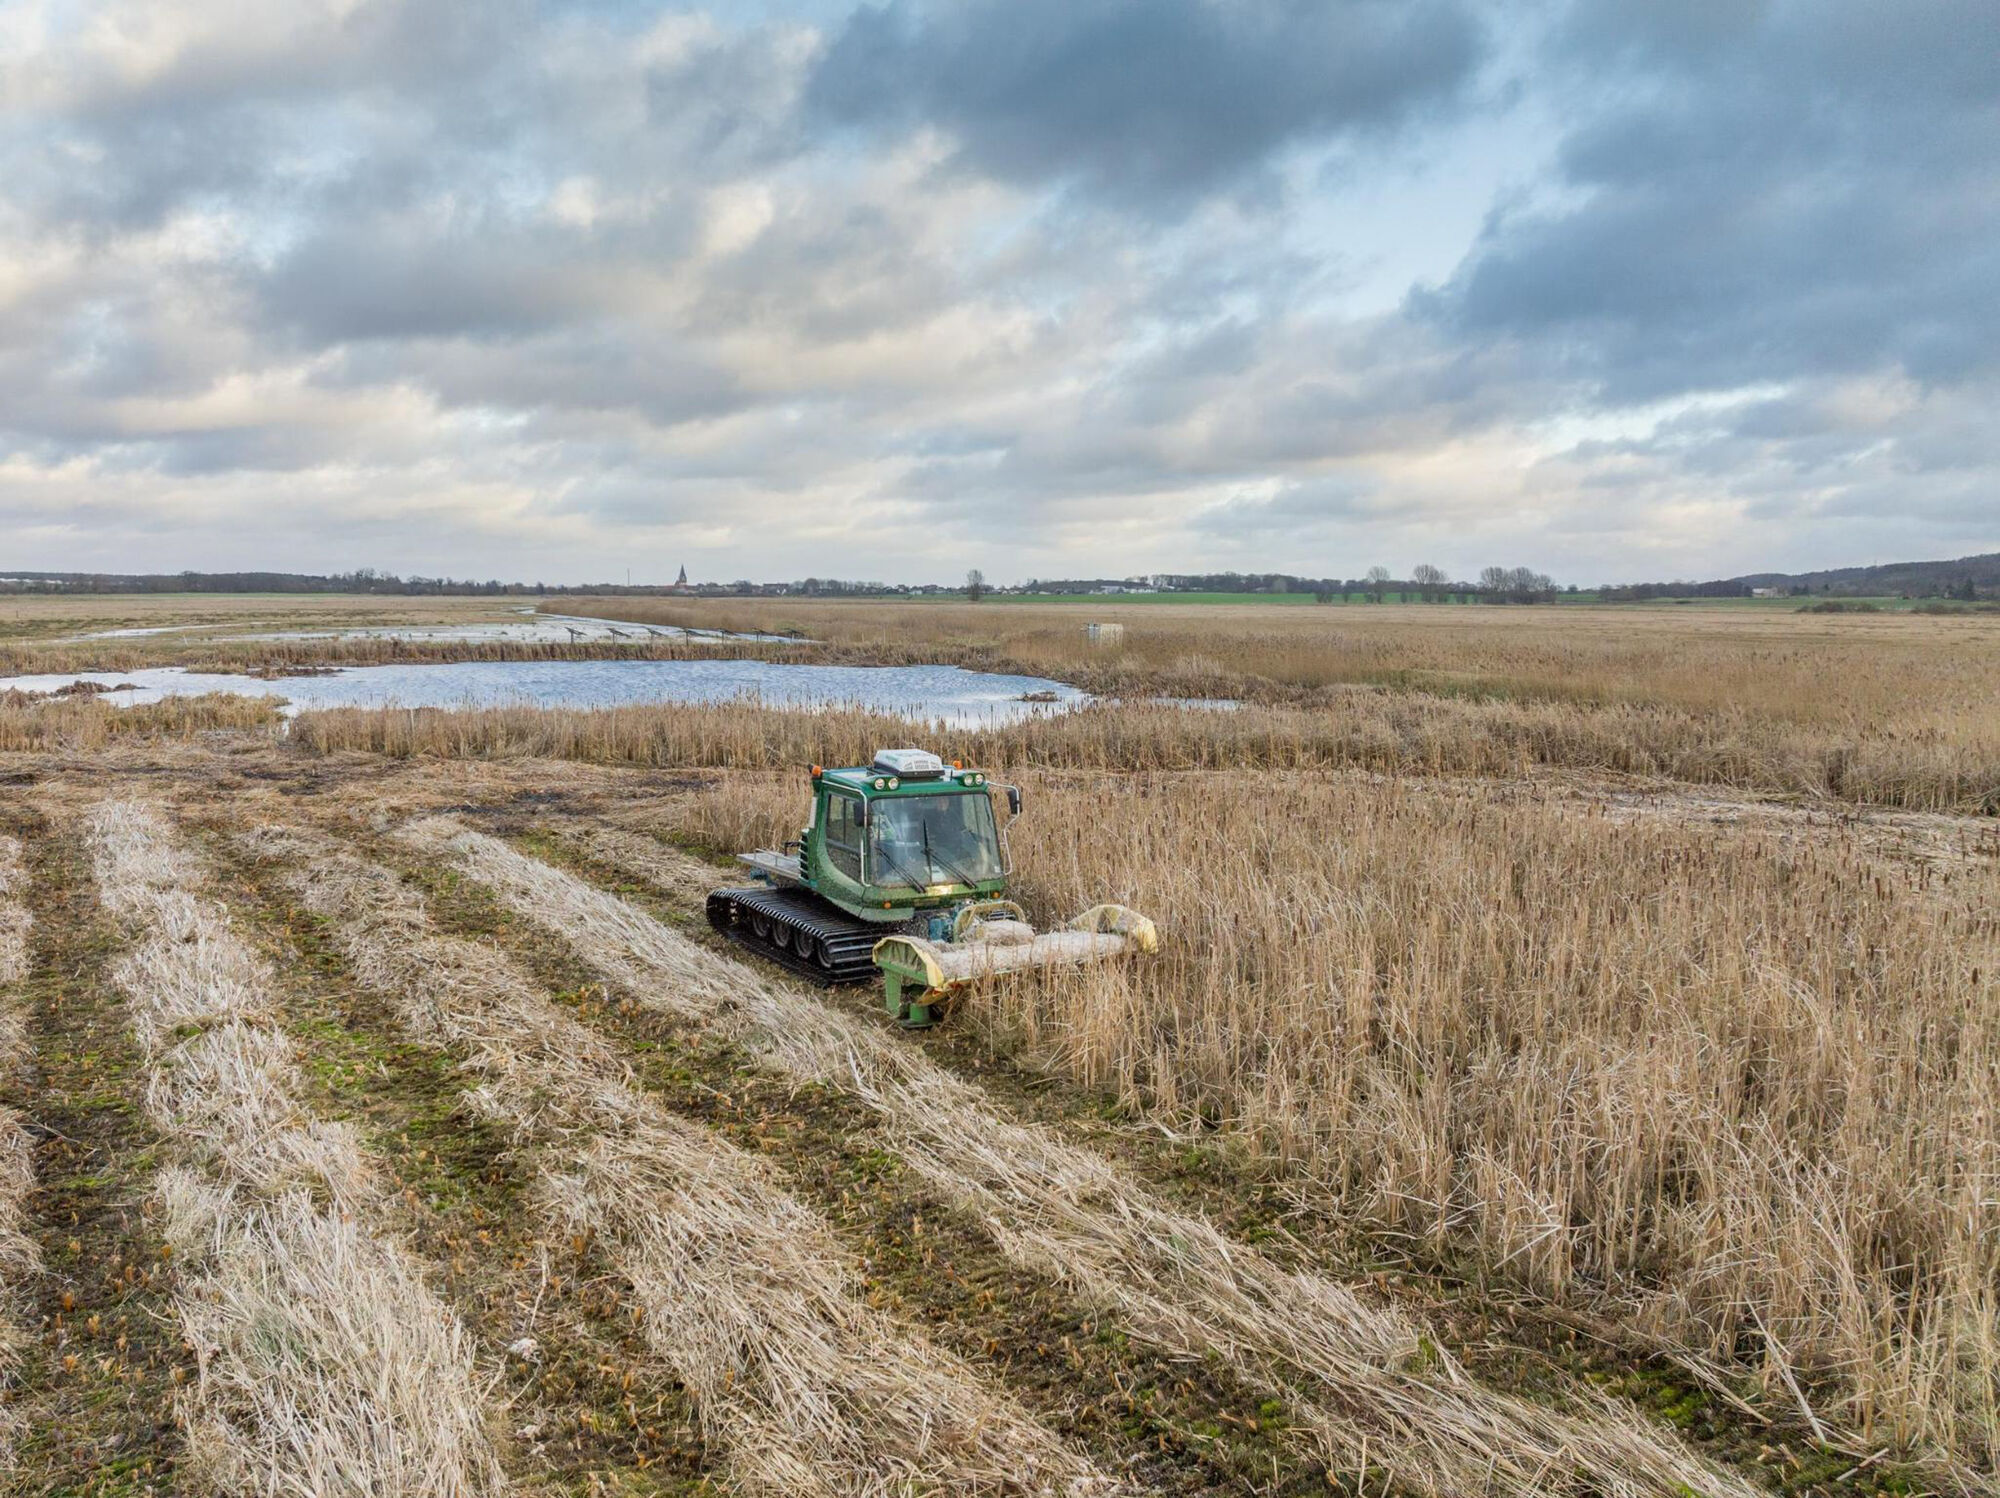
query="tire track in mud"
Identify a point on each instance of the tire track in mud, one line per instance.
(101, 1366)
(1363, 1378)
(801, 1382)
(326, 1364)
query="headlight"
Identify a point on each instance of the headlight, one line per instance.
(894, 782)
(881, 784)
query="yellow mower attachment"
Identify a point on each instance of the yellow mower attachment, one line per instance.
(990, 937)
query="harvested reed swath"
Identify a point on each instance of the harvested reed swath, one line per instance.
(1359, 1374)
(746, 1294)
(18, 1255)
(327, 1365)
(14, 926)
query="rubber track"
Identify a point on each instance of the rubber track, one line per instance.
(850, 943)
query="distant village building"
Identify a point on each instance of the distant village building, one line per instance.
(681, 583)
(1767, 592)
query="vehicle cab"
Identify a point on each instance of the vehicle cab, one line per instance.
(905, 833)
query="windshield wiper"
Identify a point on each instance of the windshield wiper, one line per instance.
(957, 874)
(897, 866)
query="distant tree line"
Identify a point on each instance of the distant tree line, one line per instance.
(1427, 583)
(362, 580)
(1968, 579)
(1963, 580)
(1641, 592)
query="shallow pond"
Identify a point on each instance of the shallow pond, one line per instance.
(961, 698)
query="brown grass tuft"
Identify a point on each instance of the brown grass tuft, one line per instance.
(81, 725)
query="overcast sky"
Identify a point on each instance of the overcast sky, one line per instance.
(1050, 287)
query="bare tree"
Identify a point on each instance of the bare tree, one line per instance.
(1428, 579)
(975, 585)
(1378, 578)
(1516, 585)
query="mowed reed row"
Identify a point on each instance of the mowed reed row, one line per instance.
(19, 1258)
(802, 1381)
(1737, 1092)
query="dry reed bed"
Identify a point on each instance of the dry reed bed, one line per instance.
(82, 726)
(1926, 674)
(1361, 1377)
(747, 1295)
(45, 658)
(1737, 1089)
(1380, 731)
(326, 1364)
(19, 1258)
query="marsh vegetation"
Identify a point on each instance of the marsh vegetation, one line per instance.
(1530, 1071)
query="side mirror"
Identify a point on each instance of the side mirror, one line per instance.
(1013, 800)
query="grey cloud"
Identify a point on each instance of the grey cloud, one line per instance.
(1764, 192)
(1142, 99)
(1298, 510)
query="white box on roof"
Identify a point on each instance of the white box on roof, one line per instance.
(909, 764)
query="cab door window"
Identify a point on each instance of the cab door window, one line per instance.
(843, 834)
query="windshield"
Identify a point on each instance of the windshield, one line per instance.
(928, 840)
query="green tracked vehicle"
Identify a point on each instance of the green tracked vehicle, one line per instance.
(903, 872)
